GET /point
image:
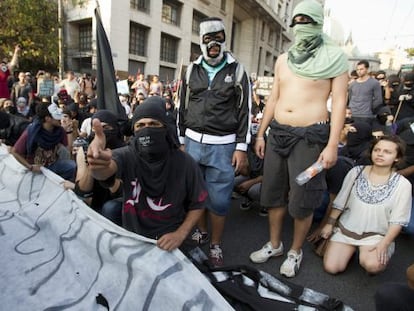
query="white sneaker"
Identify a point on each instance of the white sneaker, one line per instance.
(267, 251)
(291, 265)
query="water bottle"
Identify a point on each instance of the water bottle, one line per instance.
(310, 172)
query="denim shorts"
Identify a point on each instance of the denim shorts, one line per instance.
(218, 173)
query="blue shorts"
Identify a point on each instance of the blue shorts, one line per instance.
(218, 173)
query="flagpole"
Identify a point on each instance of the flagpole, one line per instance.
(60, 38)
(177, 102)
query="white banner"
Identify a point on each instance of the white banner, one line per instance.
(58, 254)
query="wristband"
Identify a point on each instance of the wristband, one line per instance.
(260, 138)
(69, 132)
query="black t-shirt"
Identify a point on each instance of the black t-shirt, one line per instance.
(153, 217)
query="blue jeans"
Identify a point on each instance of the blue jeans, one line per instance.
(215, 164)
(64, 168)
(112, 210)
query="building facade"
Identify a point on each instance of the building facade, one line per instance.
(161, 36)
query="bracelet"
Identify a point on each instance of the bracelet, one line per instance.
(260, 138)
(69, 132)
(331, 221)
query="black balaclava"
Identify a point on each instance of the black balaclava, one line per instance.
(409, 81)
(114, 138)
(152, 147)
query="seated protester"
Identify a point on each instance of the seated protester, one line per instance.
(406, 169)
(405, 108)
(396, 296)
(359, 137)
(11, 127)
(369, 212)
(391, 93)
(249, 183)
(86, 126)
(106, 201)
(383, 121)
(164, 191)
(43, 143)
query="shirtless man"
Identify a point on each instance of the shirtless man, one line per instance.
(300, 133)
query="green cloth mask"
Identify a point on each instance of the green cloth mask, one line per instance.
(314, 55)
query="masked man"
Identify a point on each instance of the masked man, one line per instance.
(213, 124)
(163, 200)
(301, 131)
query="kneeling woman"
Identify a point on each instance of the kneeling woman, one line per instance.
(373, 205)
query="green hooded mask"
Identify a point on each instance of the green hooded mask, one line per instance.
(314, 55)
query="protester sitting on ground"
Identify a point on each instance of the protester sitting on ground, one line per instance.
(370, 210)
(106, 201)
(396, 296)
(358, 140)
(391, 92)
(11, 127)
(44, 143)
(71, 127)
(86, 126)
(162, 200)
(249, 182)
(405, 107)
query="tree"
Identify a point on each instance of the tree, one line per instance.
(410, 52)
(34, 25)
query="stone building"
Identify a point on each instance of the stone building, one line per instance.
(161, 36)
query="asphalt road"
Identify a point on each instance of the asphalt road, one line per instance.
(246, 231)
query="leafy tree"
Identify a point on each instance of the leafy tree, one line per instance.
(34, 25)
(410, 52)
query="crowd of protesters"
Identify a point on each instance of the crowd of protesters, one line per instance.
(69, 111)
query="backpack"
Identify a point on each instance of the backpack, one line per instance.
(237, 83)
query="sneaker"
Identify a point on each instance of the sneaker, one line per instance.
(263, 211)
(291, 265)
(216, 255)
(267, 251)
(200, 238)
(246, 205)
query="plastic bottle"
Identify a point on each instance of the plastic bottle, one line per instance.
(310, 172)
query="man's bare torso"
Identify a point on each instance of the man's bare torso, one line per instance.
(300, 101)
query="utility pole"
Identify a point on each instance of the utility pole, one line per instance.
(60, 38)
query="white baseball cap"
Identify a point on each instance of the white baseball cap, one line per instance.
(55, 111)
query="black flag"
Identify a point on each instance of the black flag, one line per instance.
(107, 94)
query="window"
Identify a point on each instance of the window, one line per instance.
(271, 38)
(197, 18)
(85, 37)
(171, 12)
(169, 47)
(223, 5)
(135, 67)
(167, 74)
(262, 36)
(138, 39)
(140, 5)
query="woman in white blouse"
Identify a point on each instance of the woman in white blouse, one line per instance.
(369, 212)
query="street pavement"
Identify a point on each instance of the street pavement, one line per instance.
(246, 231)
